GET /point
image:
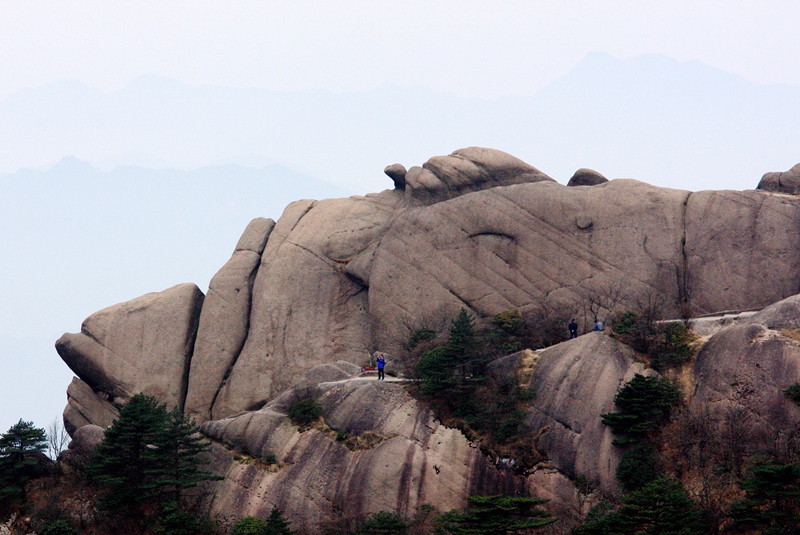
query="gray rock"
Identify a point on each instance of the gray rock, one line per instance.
(143, 345)
(739, 377)
(586, 177)
(398, 174)
(466, 170)
(741, 250)
(575, 384)
(87, 438)
(782, 182)
(87, 407)
(306, 309)
(510, 247)
(224, 320)
(784, 314)
(397, 458)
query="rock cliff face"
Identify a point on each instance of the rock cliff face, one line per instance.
(303, 301)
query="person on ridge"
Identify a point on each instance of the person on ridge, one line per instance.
(598, 326)
(573, 329)
(381, 366)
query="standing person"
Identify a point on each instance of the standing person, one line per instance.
(381, 366)
(573, 329)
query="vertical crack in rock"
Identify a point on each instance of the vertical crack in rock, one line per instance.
(238, 352)
(191, 338)
(684, 291)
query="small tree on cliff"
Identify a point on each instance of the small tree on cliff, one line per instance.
(495, 515)
(19, 448)
(147, 453)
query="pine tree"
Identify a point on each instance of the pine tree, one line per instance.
(384, 523)
(18, 449)
(662, 507)
(120, 462)
(495, 515)
(772, 499)
(277, 524)
(461, 348)
(171, 461)
(148, 453)
(644, 404)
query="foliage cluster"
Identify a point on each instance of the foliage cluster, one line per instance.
(454, 377)
(654, 503)
(669, 345)
(275, 524)
(661, 507)
(148, 457)
(304, 412)
(21, 448)
(494, 515)
(772, 499)
(792, 393)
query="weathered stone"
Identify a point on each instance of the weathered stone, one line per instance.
(575, 384)
(782, 182)
(784, 314)
(87, 438)
(86, 407)
(306, 309)
(398, 174)
(586, 177)
(397, 457)
(143, 345)
(467, 170)
(739, 376)
(508, 248)
(741, 249)
(224, 320)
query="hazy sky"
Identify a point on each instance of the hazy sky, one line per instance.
(483, 49)
(472, 48)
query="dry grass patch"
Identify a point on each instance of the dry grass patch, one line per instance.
(364, 441)
(527, 367)
(793, 334)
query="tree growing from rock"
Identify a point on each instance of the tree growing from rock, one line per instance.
(495, 515)
(148, 453)
(19, 448)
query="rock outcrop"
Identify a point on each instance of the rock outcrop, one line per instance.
(575, 384)
(144, 345)
(225, 319)
(586, 177)
(741, 372)
(304, 302)
(87, 407)
(479, 229)
(785, 182)
(383, 450)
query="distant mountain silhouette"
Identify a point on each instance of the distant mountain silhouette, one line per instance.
(681, 124)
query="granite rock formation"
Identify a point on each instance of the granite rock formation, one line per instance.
(782, 182)
(586, 177)
(304, 301)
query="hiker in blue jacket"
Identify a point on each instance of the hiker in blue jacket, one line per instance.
(381, 366)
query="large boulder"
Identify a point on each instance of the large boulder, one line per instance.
(740, 376)
(586, 177)
(741, 249)
(467, 170)
(224, 320)
(396, 457)
(140, 346)
(511, 247)
(782, 182)
(575, 384)
(306, 308)
(85, 407)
